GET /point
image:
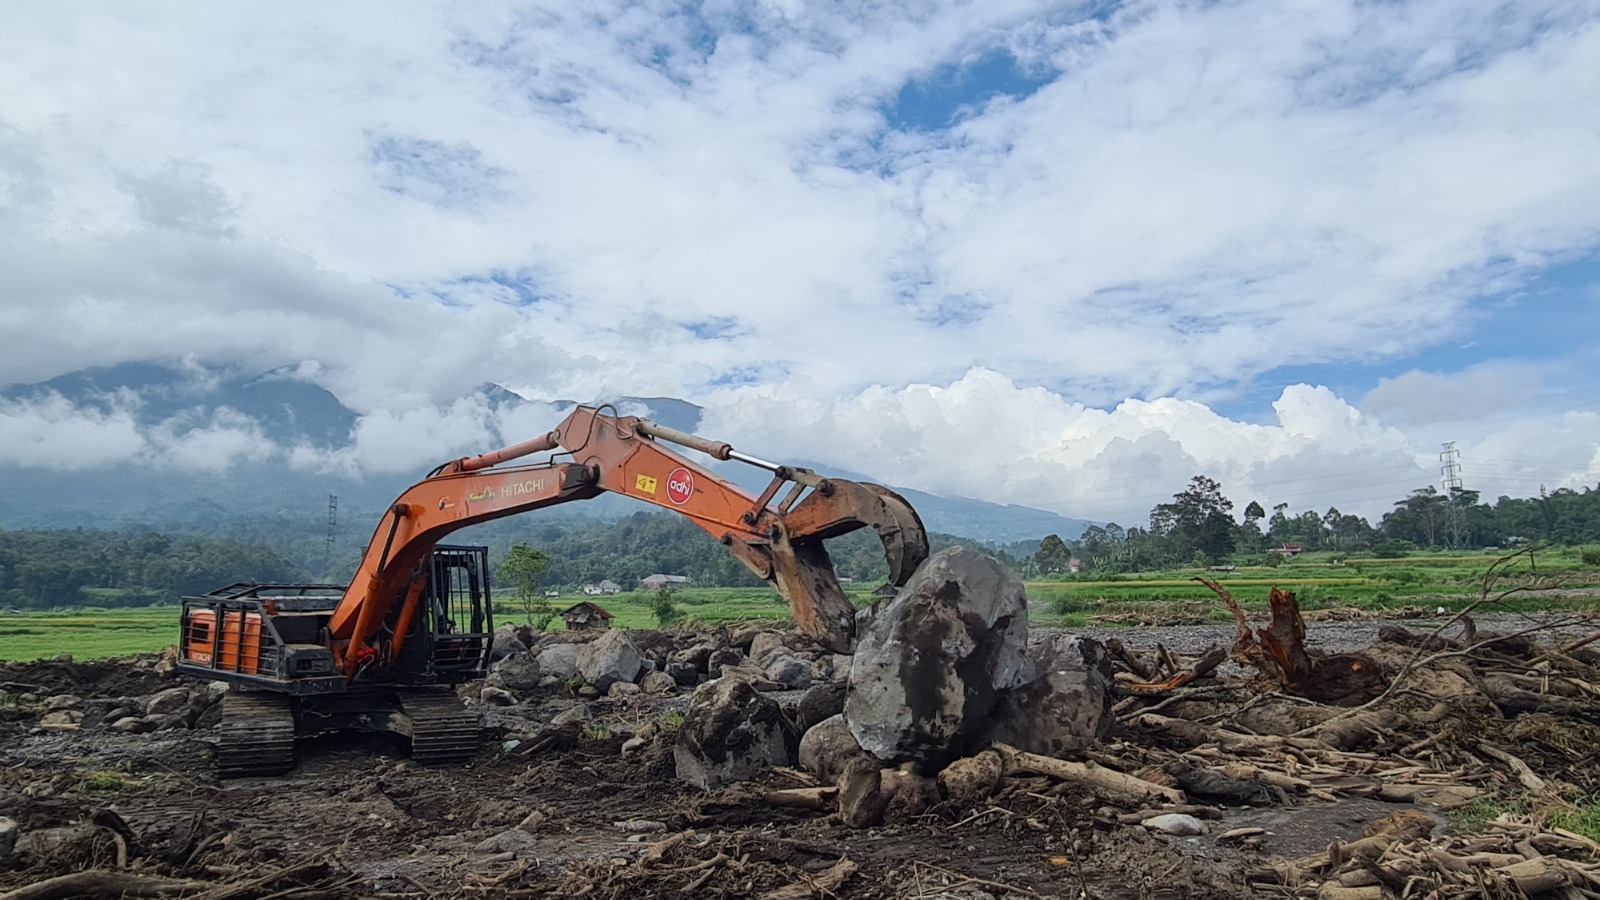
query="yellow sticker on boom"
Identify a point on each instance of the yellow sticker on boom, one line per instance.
(645, 483)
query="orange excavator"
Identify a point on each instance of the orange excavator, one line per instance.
(381, 653)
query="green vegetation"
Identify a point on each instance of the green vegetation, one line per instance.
(520, 571)
(1319, 580)
(663, 608)
(1583, 819)
(1473, 816)
(87, 633)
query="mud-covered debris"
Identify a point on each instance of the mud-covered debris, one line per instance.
(509, 841)
(932, 665)
(969, 781)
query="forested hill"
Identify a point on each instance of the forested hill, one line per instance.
(47, 569)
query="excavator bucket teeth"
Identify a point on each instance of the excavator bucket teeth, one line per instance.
(804, 574)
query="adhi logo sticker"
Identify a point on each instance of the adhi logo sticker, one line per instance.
(680, 485)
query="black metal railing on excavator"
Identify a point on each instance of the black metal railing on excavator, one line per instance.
(460, 618)
(239, 632)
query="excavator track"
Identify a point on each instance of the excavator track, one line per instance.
(443, 731)
(257, 735)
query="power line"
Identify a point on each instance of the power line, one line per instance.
(333, 526)
(1455, 518)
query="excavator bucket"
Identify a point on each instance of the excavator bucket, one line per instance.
(802, 571)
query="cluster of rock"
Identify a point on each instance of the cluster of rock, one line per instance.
(941, 671)
(182, 707)
(620, 664)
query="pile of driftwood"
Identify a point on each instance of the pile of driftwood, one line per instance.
(1399, 856)
(114, 860)
(1431, 722)
(1436, 721)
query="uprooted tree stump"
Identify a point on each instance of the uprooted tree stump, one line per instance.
(1279, 652)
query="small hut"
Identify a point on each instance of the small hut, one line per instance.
(586, 616)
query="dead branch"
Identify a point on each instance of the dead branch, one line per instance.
(101, 883)
(1094, 777)
(824, 883)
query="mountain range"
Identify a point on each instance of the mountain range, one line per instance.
(184, 406)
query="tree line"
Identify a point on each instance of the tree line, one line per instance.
(46, 569)
(1198, 528)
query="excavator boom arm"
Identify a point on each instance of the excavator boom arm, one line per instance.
(781, 543)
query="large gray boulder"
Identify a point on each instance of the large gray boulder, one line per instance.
(820, 701)
(560, 660)
(934, 662)
(765, 646)
(1065, 705)
(519, 671)
(505, 642)
(826, 747)
(732, 733)
(609, 659)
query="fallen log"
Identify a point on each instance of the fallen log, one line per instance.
(1097, 778)
(101, 883)
(817, 798)
(1524, 774)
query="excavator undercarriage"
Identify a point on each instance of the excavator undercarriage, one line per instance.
(382, 653)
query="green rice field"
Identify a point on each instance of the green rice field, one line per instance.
(1319, 580)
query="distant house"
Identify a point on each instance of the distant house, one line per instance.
(1289, 549)
(658, 581)
(586, 616)
(604, 589)
(1074, 565)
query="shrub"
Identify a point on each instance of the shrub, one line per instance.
(1590, 556)
(1396, 549)
(661, 606)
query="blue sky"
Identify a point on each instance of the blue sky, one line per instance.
(1292, 246)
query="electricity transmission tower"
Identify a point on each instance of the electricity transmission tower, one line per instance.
(1455, 518)
(333, 526)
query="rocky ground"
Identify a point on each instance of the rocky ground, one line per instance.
(746, 763)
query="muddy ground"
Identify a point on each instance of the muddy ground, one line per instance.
(579, 818)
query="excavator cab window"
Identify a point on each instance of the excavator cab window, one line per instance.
(457, 627)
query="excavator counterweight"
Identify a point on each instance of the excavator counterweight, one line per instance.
(417, 614)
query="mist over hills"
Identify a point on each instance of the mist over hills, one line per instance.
(144, 445)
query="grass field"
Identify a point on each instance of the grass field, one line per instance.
(1319, 580)
(91, 632)
(88, 633)
(1326, 580)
